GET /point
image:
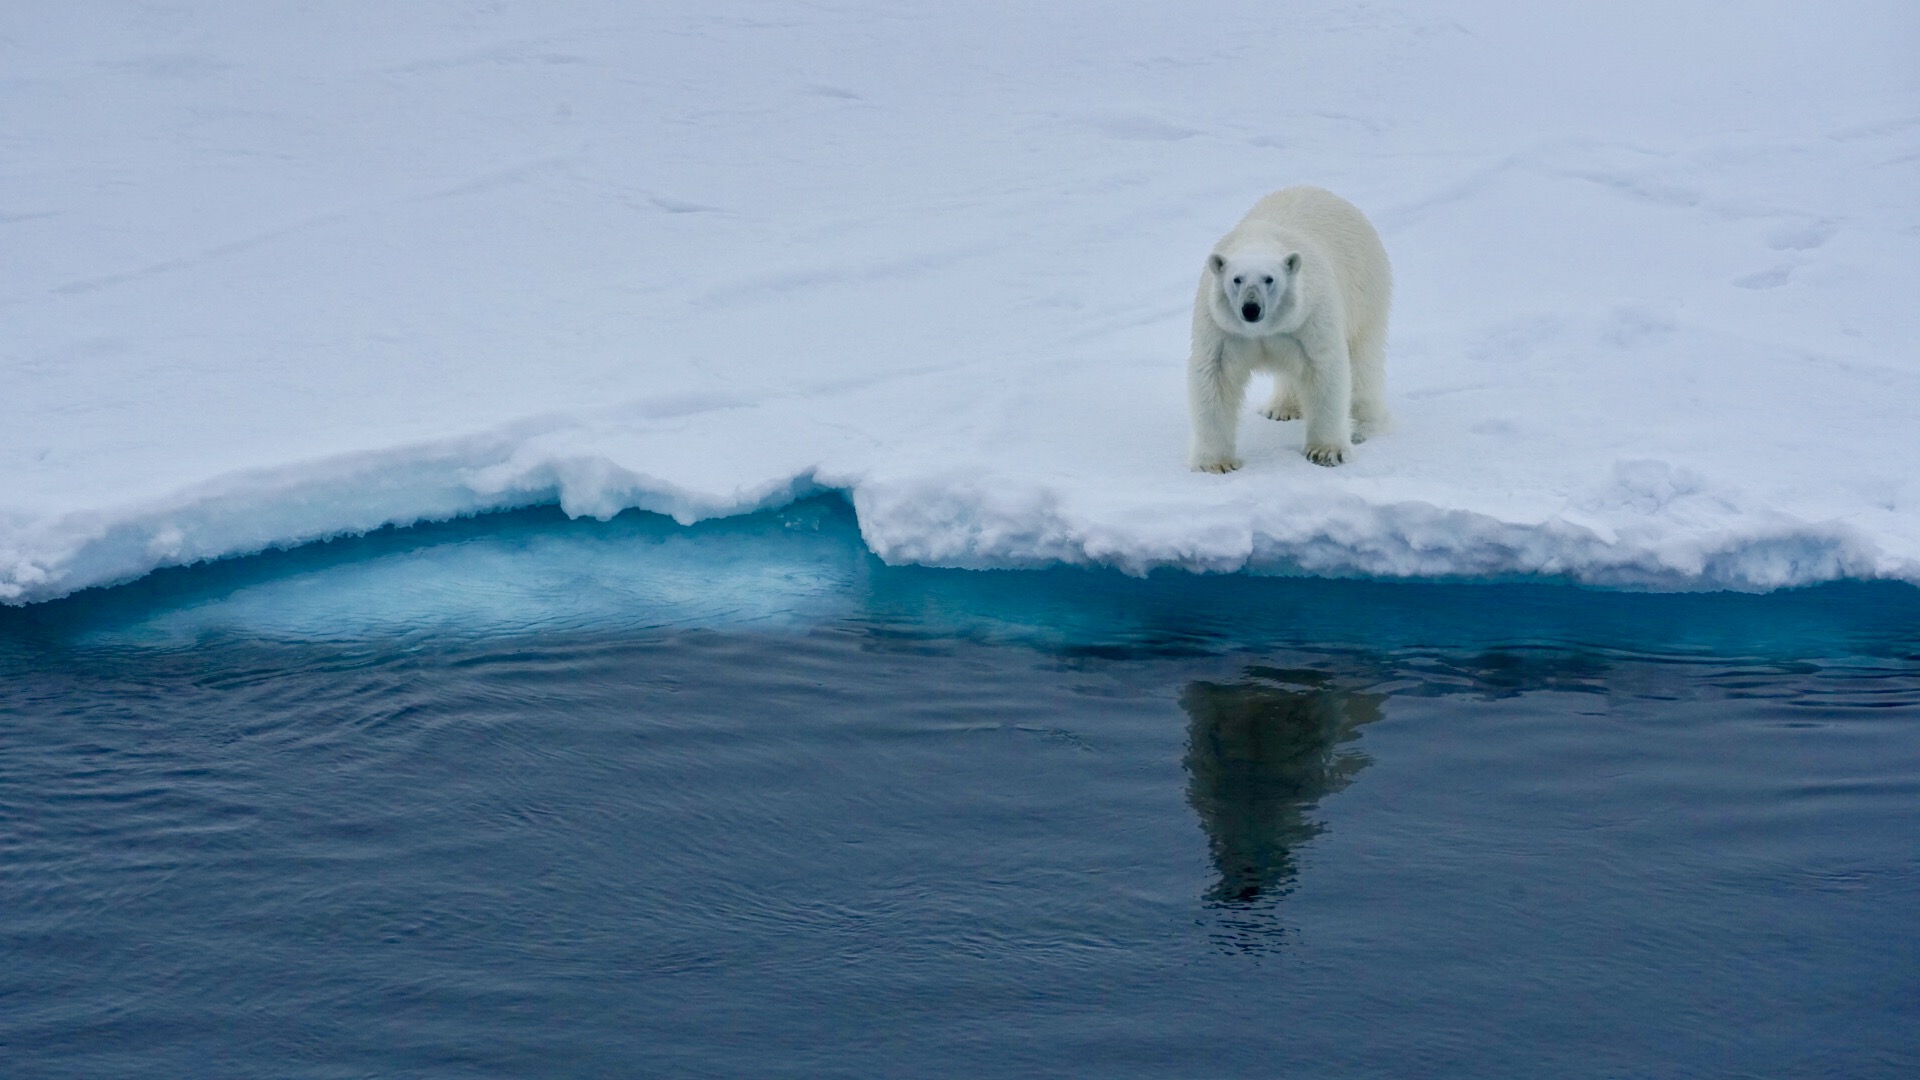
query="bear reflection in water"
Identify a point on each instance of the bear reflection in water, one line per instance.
(1261, 753)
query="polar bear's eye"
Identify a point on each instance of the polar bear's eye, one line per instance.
(1268, 279)
(1237, 280)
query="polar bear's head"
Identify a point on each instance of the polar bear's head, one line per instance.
(1256, 291)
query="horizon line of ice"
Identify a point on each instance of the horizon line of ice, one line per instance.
(931, 521)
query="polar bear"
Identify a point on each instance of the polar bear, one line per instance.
(1299, 288)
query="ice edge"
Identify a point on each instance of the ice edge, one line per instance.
(918, 523)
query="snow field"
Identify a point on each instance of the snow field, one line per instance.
(272, 274)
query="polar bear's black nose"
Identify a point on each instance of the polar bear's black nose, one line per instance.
(1250, 311)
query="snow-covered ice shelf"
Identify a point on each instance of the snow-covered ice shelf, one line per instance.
(271, 273)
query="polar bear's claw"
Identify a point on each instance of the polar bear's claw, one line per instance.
(1283, 413)
(1326, 455)
(1223, 465)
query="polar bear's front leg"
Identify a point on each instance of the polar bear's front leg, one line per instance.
(1215, 389)
(1329, 401)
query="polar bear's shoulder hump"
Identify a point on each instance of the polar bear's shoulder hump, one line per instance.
(1309, 209)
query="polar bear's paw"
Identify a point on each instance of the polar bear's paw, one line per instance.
(1216, 465)
(1326, 455)
(1366, 426)
(1288, 411)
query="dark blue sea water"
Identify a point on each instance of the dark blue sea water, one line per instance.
(524, 797)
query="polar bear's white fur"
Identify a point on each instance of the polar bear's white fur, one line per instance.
(1299, 288)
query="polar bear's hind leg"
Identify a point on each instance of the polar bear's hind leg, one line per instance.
(1285, 404)
(1370, 415)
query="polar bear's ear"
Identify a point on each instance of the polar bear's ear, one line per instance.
(1217, 263)
(1293, 263)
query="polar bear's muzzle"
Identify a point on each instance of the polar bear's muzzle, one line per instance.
(1253, 303)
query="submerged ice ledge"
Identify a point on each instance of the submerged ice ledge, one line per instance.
(939, 520)
(250, 512)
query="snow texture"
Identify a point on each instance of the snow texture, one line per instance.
(272, 272)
